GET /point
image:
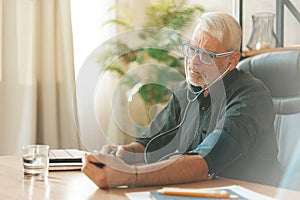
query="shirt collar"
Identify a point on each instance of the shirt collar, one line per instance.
(230, 77)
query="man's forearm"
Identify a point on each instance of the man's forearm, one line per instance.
(186, 168)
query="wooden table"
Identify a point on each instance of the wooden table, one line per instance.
(75, 185)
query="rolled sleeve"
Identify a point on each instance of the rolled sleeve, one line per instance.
(219, 149)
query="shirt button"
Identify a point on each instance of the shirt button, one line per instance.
(203, 108)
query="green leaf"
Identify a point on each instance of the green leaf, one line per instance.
(124, 24)
(173, 14)
(115, 67)
(154, 93)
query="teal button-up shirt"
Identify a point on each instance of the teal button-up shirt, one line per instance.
(231, 128)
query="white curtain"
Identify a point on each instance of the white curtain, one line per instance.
(36, 75)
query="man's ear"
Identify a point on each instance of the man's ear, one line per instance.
(234, 60)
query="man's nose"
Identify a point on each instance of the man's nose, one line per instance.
(196, 60)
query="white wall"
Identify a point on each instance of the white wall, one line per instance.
(88, 31)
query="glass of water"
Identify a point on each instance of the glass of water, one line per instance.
(35, 161)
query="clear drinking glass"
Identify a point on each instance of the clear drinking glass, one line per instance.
(35, 161)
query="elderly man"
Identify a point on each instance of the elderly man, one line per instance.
(218, 122)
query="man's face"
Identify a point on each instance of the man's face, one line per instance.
(200, 74)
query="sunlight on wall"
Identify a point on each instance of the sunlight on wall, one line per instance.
(88, 32)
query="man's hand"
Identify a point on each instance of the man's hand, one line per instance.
(121, 151)
(130, 153)
(114, 173)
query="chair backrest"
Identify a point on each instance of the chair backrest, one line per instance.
(280, 71)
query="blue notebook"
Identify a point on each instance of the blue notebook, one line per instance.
(157, 196)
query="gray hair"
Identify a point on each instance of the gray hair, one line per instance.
(220, 25)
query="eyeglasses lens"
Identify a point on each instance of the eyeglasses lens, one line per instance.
(204, 57)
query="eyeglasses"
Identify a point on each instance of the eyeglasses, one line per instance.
(206, 57)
